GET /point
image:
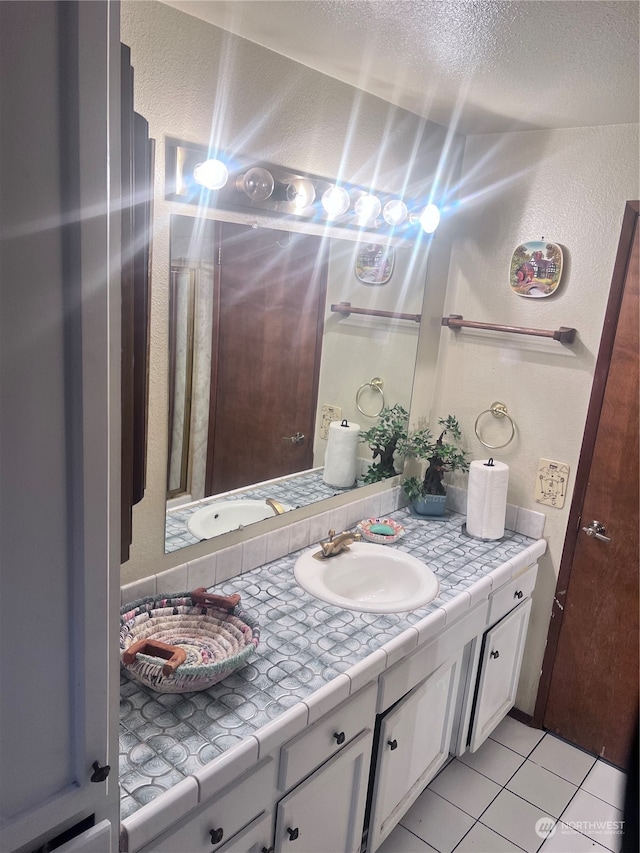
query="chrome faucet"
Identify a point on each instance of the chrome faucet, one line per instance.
(337, 544)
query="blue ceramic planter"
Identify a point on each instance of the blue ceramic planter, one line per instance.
(430, 505)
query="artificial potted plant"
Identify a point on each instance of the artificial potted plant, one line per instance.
(427, 494)
(383, 439)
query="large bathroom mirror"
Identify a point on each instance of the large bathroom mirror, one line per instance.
(263, 356)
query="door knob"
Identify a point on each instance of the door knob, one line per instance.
(298, 438)
(495, 654)
(596, 530)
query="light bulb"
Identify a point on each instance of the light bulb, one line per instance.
(395, 212)
(367, 208)
(212, 174)
(300, 193)
(430, 218)
(257, 183)
(335, 201)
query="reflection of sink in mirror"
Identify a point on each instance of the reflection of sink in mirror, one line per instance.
(367, 577)
(223, 516)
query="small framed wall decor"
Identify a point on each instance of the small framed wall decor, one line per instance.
(536, 269)
(374, 263)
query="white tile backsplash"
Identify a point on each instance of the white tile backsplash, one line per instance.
(254, 553)
(298, 535)
(278, 543)
(172, 580)
(371, 508)
(138, 589)
(229, 563)
(201, 572)
(530, 523)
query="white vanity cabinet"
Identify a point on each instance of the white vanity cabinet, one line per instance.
(326, 811)
(213, 825)
(413, 744)
(502, 652)
(358, 766)
(325, 771)
(492, 663)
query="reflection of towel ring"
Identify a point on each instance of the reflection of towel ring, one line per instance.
(376, 384)
(498, 410)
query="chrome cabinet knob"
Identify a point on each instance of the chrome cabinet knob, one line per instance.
(596, 530)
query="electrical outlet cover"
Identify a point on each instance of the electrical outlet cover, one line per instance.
(329, 414)
(552, 480)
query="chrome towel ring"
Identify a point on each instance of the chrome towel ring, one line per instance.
(498, 410)
(377, 385)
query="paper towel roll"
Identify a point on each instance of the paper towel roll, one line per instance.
(341, 455)
(487, 498)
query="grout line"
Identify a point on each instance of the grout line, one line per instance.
(478, 821)
(406, 829)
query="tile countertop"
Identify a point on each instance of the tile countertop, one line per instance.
(305, 645)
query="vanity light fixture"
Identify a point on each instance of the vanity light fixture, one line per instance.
(300, 193)
(212, 174)
(257, 183)
(335, 201)
(430, 218)
(367, 208)
(235, 183)
(395, 212)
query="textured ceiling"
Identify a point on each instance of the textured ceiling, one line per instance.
(480, 66)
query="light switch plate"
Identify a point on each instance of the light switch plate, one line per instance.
(552, 479)
(329, 414)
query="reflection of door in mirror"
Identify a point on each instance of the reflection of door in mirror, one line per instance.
(245, 341)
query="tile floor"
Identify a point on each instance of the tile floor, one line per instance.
(524, 789)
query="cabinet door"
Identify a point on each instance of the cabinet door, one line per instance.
(59, 346)
(326, 811)
(413, 745)
(499, 673)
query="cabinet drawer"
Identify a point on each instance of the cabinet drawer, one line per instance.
(301, 755)
(407, 673)
(511, 594)
(253, 838)
(230, 811)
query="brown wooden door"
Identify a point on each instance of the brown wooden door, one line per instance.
(593, 690)
(272, 288)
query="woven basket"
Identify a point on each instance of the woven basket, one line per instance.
(185, 641)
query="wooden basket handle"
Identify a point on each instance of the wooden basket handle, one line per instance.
(202, 598)
(173, 655)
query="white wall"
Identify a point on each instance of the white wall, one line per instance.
(196, 82)
(568, 186)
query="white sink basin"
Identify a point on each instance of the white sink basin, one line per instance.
(223, 516)
(367, 577)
